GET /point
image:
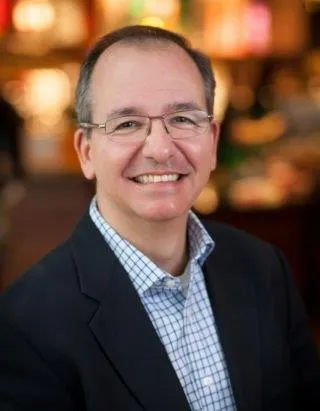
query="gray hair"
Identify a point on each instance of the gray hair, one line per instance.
(137, 35)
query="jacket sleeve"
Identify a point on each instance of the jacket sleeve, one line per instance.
(305, 366)
(26, 381)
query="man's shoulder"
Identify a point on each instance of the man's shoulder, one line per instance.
(227, 234)
(54, 271)
(247, 257)
(41, 285)
(49, 267)
(241, 248)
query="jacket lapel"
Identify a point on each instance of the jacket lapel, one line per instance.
(233, 301)
(122, 326)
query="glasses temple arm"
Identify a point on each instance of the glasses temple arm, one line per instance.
(91, 125)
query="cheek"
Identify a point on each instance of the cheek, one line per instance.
(198, 153)
(111, 160)
(102, 160)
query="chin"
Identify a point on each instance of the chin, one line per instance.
(162, 213)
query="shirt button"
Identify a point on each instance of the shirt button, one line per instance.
(207, 381)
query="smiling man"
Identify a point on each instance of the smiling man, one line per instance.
(156, 146)
(144, 307)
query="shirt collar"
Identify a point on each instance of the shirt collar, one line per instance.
(200, 242)
(143, 272)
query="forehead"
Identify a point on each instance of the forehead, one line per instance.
(145, 76)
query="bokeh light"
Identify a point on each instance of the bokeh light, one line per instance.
(33, 15)
(48, 91)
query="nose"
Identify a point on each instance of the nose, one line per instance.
(158, 144)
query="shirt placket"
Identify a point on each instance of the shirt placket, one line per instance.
(193, 342)
(215, 381)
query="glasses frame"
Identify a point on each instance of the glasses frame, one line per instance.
(90, 126)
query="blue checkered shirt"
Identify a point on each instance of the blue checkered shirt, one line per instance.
(180, 311)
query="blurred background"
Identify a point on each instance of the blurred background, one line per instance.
(266, 56)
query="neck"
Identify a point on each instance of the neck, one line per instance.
(163, 242)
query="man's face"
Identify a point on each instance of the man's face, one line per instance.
(152, 80)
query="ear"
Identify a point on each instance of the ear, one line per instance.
(215, 132)
(83, 146)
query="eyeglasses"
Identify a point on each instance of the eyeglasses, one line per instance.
(179, 125)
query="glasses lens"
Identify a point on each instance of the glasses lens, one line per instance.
(190, 123)
(127, 128)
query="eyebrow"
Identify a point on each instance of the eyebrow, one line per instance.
(124, 111)
(175, 106)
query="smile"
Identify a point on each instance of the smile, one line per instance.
(151, 178)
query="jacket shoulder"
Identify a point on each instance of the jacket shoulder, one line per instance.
(41, 285)
(248, 255)
(228, 236)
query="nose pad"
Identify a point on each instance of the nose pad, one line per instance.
(158, 145)
(149, 128)
(163, 123)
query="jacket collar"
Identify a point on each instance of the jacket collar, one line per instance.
(234, 301)
(121, 325)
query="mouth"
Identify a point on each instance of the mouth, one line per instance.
(156, 178)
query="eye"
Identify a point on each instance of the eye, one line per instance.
(124, 125)
(127, 125)
(182, 119)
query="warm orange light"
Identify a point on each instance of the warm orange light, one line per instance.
(152, 21)
(47, 92)
(115, 6)
(207, 201)
(222, 91)
(71, 27)
(224, 29)
(33, 15)
(163, 9)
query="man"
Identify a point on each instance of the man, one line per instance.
(143, 308)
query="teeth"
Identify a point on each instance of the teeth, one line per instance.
(147, 179)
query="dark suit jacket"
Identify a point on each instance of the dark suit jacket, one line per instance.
(75, 336)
